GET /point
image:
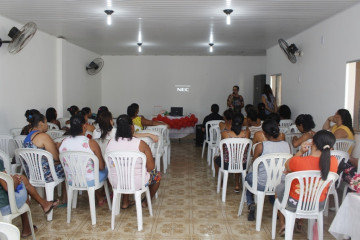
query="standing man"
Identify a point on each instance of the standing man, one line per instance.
(235, 101)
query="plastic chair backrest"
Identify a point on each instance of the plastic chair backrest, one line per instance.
(52, 126)
(162, 129)
(311, 188)
(274, 164)
(63, 121)
(159, 146)
(15, 131)
(293, 129)
(284, 129)
(340, 155)
(214, 134)
(150, 143)
(121, 166)
(344, 145)
(6, 160)
(207, 127)
(286, 123)
(239, 149)
(102, 144)
(11, 193)
(19, 141)
(7, 144)
(91, 121)
(55, 133)
(288, 138)
(33, 159)
(9, 231)
(76, 164)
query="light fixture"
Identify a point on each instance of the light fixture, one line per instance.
(108, 13)
(139, 48)
(228, 12)
(211, 47)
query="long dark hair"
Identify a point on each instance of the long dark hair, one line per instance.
(73, 110)
(271, 128)
(346, 118)
(268, 92)
(50, 114)
(76, 125)
(104, 122)
(306, 120)
(324, 141)
(100, 111)
(237, 122)
(123, 124)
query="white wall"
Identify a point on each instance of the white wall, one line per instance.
(46, 73)
(316, 84)
(150, 81)
(27, 79)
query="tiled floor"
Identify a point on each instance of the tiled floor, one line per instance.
(187, 208)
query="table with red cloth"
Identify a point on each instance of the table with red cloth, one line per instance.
(179, 126)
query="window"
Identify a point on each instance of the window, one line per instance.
(352, 92)
(275, 84)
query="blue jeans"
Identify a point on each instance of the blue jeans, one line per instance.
(20, 198)
(250, 196)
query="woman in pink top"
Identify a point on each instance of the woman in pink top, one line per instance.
(124, 141)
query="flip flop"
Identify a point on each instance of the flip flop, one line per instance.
(237, 190)
(131, 203)
(30, 234)
(54, 204)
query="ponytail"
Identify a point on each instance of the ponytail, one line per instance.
(324, 141)
(325, 162)
(236, 123)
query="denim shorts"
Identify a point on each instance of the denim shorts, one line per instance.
(20, 197)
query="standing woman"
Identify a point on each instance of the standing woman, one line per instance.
(269, 100)
(235, 101)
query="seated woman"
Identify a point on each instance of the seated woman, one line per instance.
(228, 115)
(305, 124)
(254, 122)
(22, 188)
(124, 141)
(140, 121)
(87, 111)
(284, 112)
(248, 107)
(89, 127)
(51, 116)
(78, 142)
(38, 138)
(235, 132)
(27, 128)
(319, 159)
(343, 124)
(260, 136)
(107, 131)
(72, 110)
(272, 145)
(261, 111)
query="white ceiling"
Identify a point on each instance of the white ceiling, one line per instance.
(173, 27)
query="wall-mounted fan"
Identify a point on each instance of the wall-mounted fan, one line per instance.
(19, 38)
(95, 66)
(290, 51)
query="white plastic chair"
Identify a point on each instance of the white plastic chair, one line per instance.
(213, 148)
(9, 231)
(274, 164)
(91, 121)
(293, 129)
(55, 133)
(7, 144)
(75, 167)
(59, 139)
(63, 121)
(311, 188)
(164, 131)
(284, 129)
(52, 126)
(15, 211)
(158, 149)
(33, 159)
(207, 139)
(345, 145)
(15, 131)
(238, 149)
(19, 143)
(286, 123)
(121, 167)
(150, 143)
(6, 161)
(288, 138)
